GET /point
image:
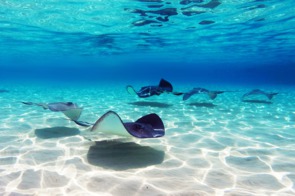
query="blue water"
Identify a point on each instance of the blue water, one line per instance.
(87, 51)
(204, 40)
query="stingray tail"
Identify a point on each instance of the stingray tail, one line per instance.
(43, 105)
(74, 115)
(83, 123)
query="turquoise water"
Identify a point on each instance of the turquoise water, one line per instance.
(87, 52)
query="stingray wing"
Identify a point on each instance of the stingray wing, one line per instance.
(131, 90)
(165, 85)
(148, 126)
(110, 123)
(73, 114)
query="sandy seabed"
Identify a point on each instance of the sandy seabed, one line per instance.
(220, 147)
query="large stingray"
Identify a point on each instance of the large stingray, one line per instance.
(212, 94)
(148, 126)
(148, 91)
(258, 92)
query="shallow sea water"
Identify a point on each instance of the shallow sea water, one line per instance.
(220, 147)
(87, 51)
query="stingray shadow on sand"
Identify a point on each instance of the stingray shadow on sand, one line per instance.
(56, 132)
(118, 155)
(207, 105)
(4, 91)
(257, 101)
(151, 104)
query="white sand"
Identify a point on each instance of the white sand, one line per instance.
(220, 147)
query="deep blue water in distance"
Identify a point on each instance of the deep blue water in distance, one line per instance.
(63, 71)
(206, 41)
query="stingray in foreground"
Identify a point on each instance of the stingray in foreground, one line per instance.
(259, 92)
(148, 91)
(212, 94)
(148, 126)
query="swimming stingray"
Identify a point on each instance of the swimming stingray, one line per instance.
(148, 126)
(211, 94)
(259, 92)
(147, 91)
(70, 109)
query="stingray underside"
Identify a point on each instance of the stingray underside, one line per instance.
(110, 123)
(131, 90)
(73, 114)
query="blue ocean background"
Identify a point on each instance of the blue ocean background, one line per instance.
(202, 41)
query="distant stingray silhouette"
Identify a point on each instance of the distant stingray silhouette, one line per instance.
(151, 104)
(56, 132)
(118, 155)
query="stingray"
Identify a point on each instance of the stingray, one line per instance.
(259, 92)
(70, 109)
(212, 94)
(148, 126)
(148, 91)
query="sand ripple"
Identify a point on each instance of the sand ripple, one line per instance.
(226, 147)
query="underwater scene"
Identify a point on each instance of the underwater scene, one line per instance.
(147, 97)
